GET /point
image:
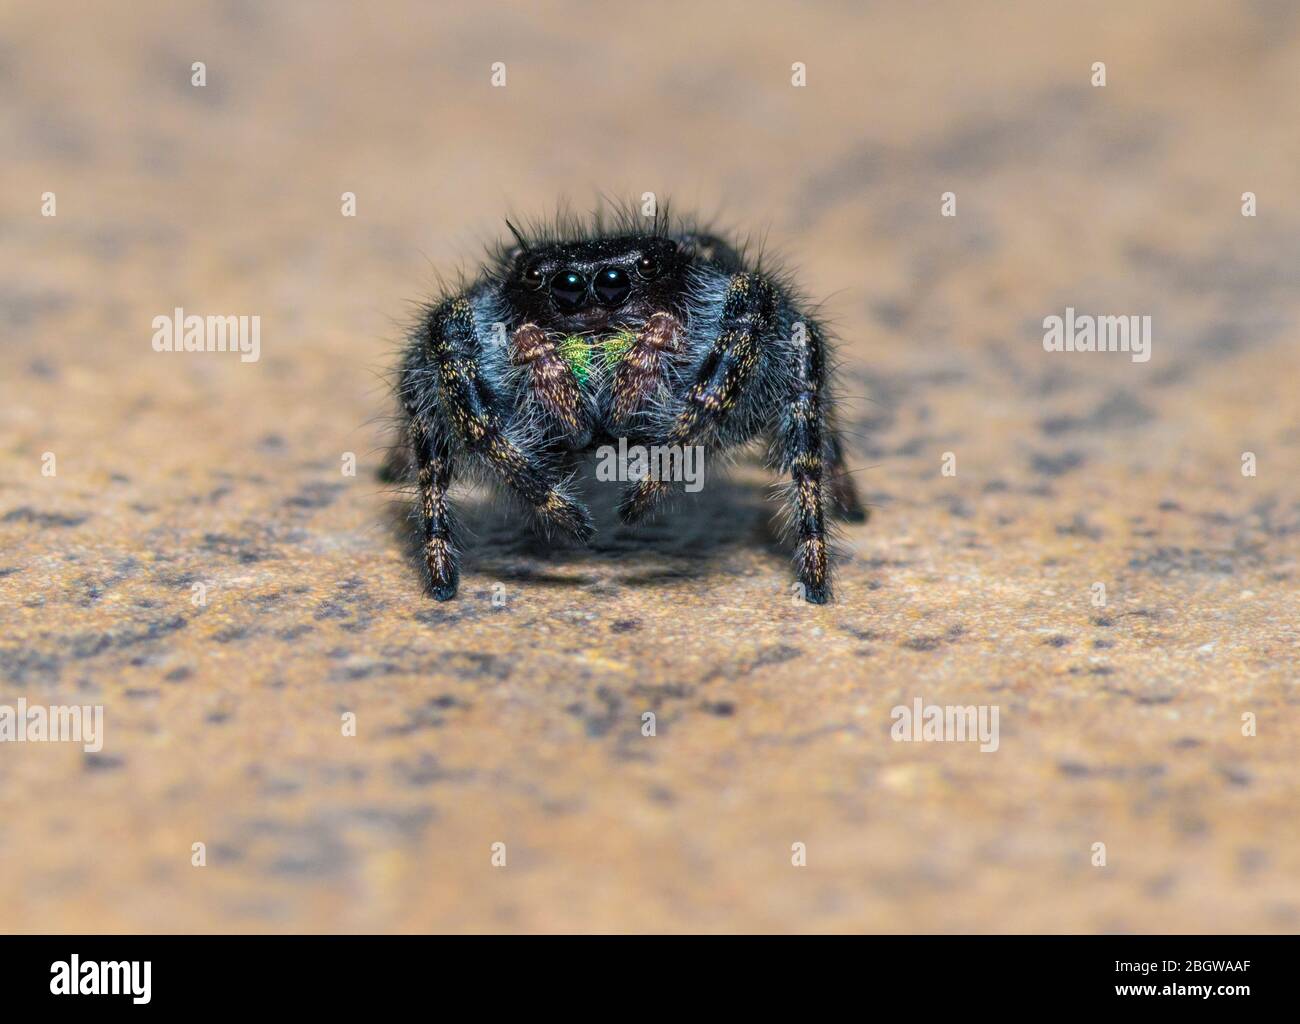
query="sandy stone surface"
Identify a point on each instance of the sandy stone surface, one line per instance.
(520, 723)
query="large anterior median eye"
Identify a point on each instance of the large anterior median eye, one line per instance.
(612, 286)
(569, 290)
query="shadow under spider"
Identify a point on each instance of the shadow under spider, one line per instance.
(686, 540)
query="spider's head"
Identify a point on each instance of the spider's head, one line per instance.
(594, 286)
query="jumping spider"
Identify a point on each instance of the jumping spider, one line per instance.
(645, 330)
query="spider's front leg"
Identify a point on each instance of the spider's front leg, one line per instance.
(748, 311)
(752, 310)
(800, 444)
(448, 362)
(429, 451)
(433, 459)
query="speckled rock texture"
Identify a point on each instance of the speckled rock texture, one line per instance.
(520, 721)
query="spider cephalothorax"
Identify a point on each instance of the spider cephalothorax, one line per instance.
(644, 334)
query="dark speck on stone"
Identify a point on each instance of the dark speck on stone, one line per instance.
(624, 626)
(1251, 859)
(1056, 465)
(1057, 641)
(1192, 825)
(315, 495)
(1080, 527)
(103, 762)
(46, 519)
(1165, 561)
(1145, 698)
(777, 654)
(922, 643)
(423, 771)
(1234, 775)
(1121, 411)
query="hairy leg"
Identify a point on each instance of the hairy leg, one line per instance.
(801, 456)
(749, 315)
(434, 466)
(466, 402)
(748, 309)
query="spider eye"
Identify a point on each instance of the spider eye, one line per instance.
(569, 290)
(648, 267)
(533, 276)
(612, 286)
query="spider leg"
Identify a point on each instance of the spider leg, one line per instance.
(800, 444)
(433, 459)
(748, 311)
(470, 405)
(752, 312)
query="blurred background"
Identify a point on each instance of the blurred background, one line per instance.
(521, 722)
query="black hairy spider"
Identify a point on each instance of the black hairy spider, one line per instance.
(645, 330)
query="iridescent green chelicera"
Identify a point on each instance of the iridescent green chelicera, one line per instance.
(579, 352)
